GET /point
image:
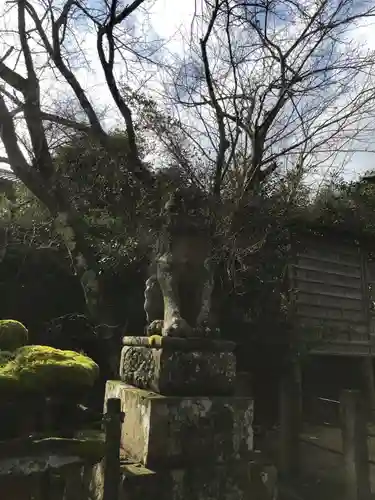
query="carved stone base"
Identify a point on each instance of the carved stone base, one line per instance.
(180, 367)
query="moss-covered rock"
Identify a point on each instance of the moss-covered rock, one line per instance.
(45, 369)
(6, 356)
(13, 335)
(8, 381)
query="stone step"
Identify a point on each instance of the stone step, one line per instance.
(238, 481)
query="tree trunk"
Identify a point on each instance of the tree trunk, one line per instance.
(83, 261)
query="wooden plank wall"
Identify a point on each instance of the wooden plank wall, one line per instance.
(329, 286)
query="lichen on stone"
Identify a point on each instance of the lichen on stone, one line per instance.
(13, 335)
(44, 369)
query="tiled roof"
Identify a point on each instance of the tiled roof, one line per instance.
(7, 175)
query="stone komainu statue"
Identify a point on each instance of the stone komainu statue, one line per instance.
(178, 292)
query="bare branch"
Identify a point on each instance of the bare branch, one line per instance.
(106, 31)
(6, 55)
(223, 142)
(14, 154)
(11, 77)
(32, 103)
(66, 122)
(54, 51)
(280, 95)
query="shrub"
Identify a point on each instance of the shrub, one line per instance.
(47, 370)
(13, 335)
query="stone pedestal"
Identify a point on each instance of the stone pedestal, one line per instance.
(183, 427)
(178, 366)
(164, 431)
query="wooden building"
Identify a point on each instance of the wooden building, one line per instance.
(332, 298)
(332, 292)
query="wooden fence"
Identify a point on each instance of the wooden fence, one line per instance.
(354, 434)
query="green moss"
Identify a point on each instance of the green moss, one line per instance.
(13, 335)
(45, 369)
(5, 357)
(8, 381)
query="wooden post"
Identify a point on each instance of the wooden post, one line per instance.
(354, 436)
(369, 385)
(113, 420)
(298, 378)
(290, 425)
(44, 486)
(74, 488)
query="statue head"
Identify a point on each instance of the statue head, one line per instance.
(187, 211)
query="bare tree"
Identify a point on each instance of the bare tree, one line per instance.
(271, 84)
(46, 37)
(266, 90)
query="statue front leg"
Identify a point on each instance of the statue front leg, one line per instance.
(174, 324)
(204, 319)
(153, 306)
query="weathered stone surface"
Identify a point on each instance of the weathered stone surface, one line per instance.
(169, 372)
(162, 430)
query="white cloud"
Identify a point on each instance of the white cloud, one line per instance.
(169, 16)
